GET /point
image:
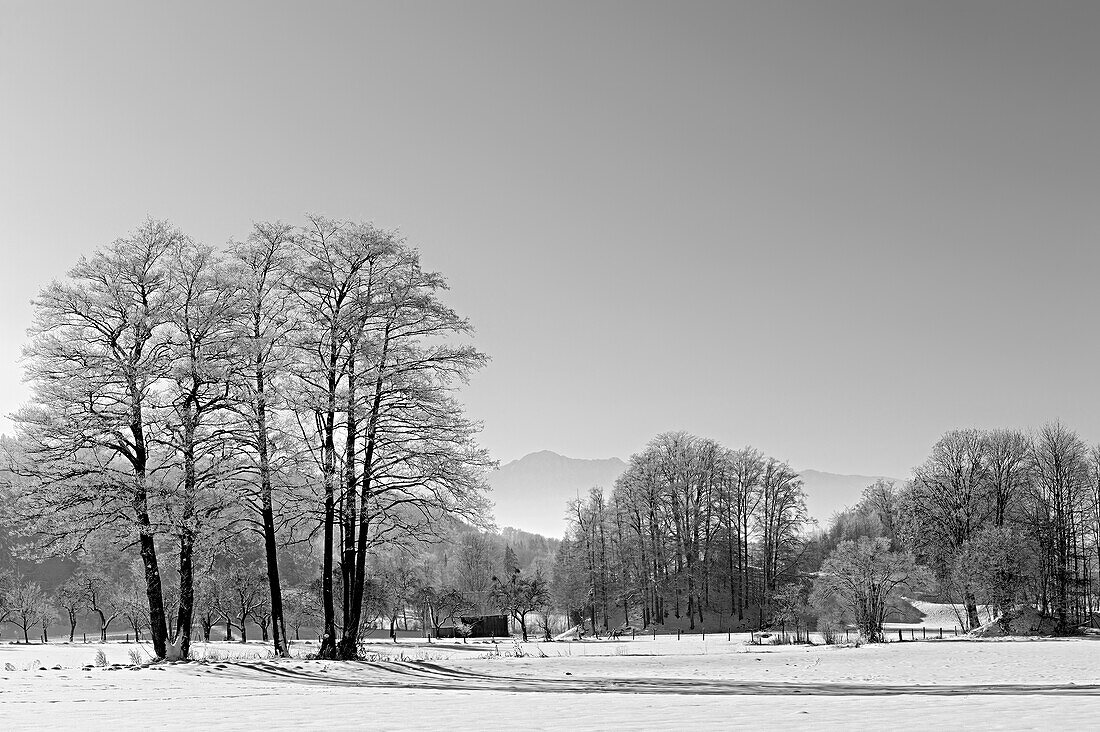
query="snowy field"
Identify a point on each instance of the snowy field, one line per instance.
(587, 685)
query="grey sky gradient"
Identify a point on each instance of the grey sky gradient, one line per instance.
(829, 229)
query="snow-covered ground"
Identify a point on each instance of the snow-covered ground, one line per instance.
(641, 684)
(939, 615)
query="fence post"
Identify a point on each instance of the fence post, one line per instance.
(85, 637)
(941, 633)
(899, 634)
(677, 634)
(924, 632)
(704, 631)
(127, 637)
(845, 635)
(729, 633)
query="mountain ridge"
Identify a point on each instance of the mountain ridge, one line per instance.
(532, 493)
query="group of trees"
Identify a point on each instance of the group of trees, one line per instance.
(24, 605)
(299, 383)
(999, 518)
(94, 595)
(690, 528)
(419, 588)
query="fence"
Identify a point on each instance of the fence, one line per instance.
(785, 636)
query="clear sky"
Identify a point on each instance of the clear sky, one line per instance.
(829, 229)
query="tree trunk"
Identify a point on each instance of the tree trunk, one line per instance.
(328, 467)
(158, 626)
(102, 626)
(348, 647)
(359, 578)
(185, 616)
(267, 513)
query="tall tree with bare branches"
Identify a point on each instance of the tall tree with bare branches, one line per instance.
(98, 349)
(263, 266)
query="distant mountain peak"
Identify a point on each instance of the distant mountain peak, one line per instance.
(827, 474)
(550, 455)
(533, 493)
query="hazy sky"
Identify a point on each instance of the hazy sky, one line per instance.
(832, 230)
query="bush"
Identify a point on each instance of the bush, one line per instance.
(100, 658)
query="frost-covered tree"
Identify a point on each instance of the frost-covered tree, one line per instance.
(301, 609)
(1000, 564)
(780, 520)
(1060, 493)
(198, 417)
(265, 322)
(519, 595)
(102, 596)
(69, 597)
(27, 605)
(241, 594)
(97, 352)
(473, 569)
(133, 608)
(862, 577)
(948, 502)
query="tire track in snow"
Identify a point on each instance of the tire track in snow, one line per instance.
(429, 676)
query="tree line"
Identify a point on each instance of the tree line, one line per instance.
(299, 384)
(423, 587)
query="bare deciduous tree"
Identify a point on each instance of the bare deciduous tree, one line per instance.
(862, 577)
(264, 326)
(98, 347)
